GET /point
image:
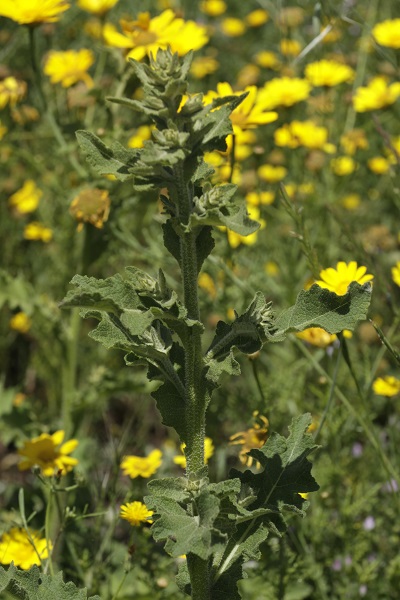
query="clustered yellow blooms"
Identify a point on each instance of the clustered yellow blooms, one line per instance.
(69, 67)
(24, 548)
(338, 280)
(387, 33)
(97, 7)
(49, 454)
(208, 452)
(136, 513)
(138, 466)
(377, 94)
(145, 35)
(328, 73)
(386, 386)
(20, 322)
(12, 90)
(91, 206)
(31, 12)
(354, 140)
(26, 199)
(38, 232)
(272, 173)
(301, 133)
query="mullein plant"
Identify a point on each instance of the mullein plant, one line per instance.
(218, 526)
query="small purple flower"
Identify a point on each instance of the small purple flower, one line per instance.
(369, 523)
(357, 450)
(390, 486)
(347, 561)
(363, 590)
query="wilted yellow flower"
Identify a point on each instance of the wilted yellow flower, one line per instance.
(257, 17)
(24, 114)
(338, 280)
(284, 91)
(396, 273)
(91, 206)
(378, 165)
(254, 437)
(208, 452)
(272, 173)
(138, 466)
(97, 7)
(301, 133)
(24, 548)
(11, 91)
(20, 322)
(351, 201)
(387, 33)
(69, 67)
(353, 140)
(316, 336)
(290, 17)
(343, 165)
(203, 65)
(267, 60)
(26, 199)
(386, 386)
(145, 36)
(136, 513)
(233, 27)
(36, 231)
(19, 399)
(328, 73)
(377, 94)
(213, 8)
(27, 12)
(49, 453)
(290, 47)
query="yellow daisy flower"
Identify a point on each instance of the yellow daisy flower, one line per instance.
(97, 7)
(20, 322)
(136, 513)
(254, 437)
(49, 453)
(284, 91)
(377, 94)
(23, 548)
(386, 386)
(144, 36)
(36, 231)
(30, 12)
(316, 336)
(396, 273)
(69, 67)
(328, 73)
(301, 133)
(138, 466)
(338, 280)
(12, 90)
(26, 199)
(91, 206)
(387, 33)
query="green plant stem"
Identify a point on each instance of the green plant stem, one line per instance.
(331, 394)
(195, 398)
(47, 527)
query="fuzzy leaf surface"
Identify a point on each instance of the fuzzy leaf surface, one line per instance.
(114, 159)
(318, 307)
(35, 585)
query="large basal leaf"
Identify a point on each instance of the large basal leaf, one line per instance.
(35, 585)
(115, 159)
(318, 307)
